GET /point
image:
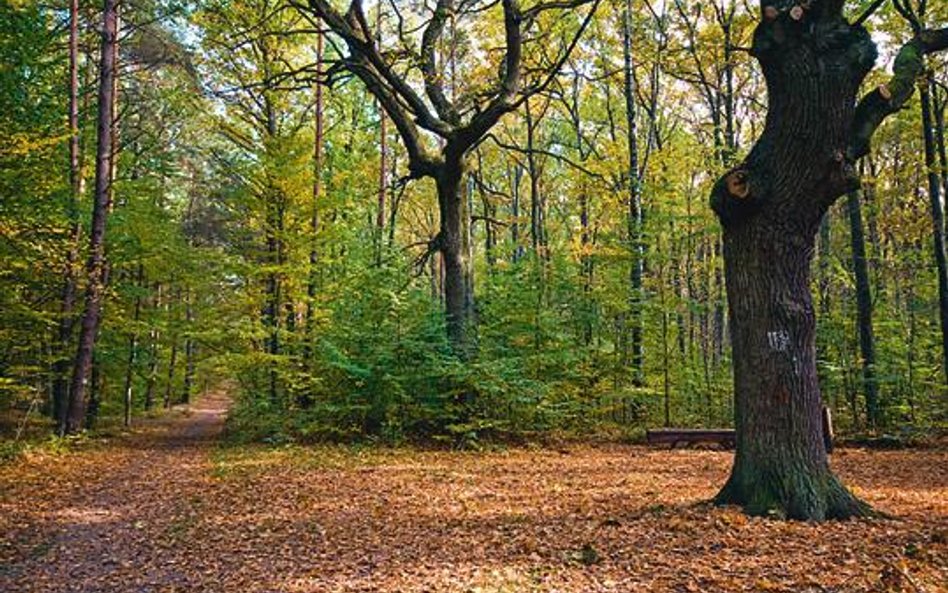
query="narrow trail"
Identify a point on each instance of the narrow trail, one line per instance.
(112, 510)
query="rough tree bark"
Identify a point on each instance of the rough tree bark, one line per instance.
(96, 266)
(770, 206)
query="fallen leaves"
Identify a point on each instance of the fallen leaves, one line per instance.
(166, 511)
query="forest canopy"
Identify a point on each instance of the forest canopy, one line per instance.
(451, 222)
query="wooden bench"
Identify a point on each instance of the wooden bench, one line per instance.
(685, 437)
(725, 437)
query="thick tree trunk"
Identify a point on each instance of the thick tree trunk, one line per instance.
(781, 463)
(96, 266)
(771, 207)
(864, 310)
(452, 243)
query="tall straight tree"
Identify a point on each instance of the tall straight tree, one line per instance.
(77, 188)
(311, 285)
(814, 60)
(96, 267)
(867, 346)
(635, 219)
(938, 214)
(458, 123)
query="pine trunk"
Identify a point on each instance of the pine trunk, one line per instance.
(96, 266)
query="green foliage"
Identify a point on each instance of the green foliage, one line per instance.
(226, 271)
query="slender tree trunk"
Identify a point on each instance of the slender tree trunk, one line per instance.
(172, 363)
(864, 311)
(133, 348)
(533, 171)
(634, 221)
(188, 347)
(938, 218)
(517, 251)
(77, 188)
(96, 265)
(939, 100)
(154, 336)
(383, 152)
(96, 390)
(586, 266)
(305, 400)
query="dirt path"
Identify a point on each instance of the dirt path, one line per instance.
(101, 520)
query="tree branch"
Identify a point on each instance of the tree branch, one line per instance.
(888, 98)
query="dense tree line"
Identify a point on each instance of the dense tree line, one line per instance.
(460, 220)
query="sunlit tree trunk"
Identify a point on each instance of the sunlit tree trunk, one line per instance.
(154, 337)
(189, 347)
(96, 266)
(133, 348)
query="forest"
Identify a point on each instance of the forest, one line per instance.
(462, 263)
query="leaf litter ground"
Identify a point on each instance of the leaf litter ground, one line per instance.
(168, 509)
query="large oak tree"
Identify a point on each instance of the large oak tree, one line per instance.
(814, 60)
(440, 124)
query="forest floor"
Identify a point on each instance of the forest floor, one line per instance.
(168, 508)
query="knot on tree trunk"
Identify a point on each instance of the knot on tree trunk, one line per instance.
(736, 195)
